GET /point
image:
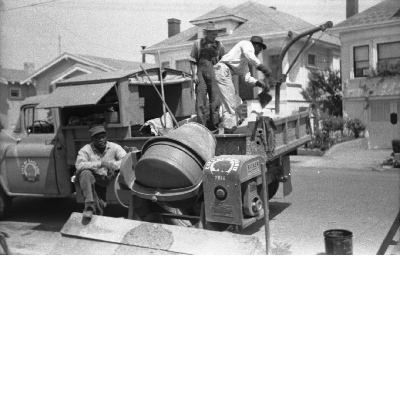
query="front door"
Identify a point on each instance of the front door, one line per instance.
(32, 160)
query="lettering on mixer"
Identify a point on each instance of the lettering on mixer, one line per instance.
(223, 211)
(222, 165)
(253, 168)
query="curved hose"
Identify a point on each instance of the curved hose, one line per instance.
(116, 193)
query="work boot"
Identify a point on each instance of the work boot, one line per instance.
(89, 210)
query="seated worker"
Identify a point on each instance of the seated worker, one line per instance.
(95, 168)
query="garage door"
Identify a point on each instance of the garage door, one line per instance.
(384, 123)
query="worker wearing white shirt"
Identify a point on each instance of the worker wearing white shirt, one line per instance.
(236, 62)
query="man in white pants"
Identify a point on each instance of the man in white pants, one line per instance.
(236, 62)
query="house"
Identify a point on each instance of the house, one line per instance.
(69, 65)
(370, 46)
(240, 23)
(12, 92)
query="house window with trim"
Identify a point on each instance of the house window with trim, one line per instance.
(183, 65)
(361, 61)
(312, 60)
(15, 93)
(388, 54)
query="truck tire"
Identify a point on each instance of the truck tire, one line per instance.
(272, 189)
(5, 203)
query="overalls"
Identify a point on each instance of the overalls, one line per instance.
(208, 57)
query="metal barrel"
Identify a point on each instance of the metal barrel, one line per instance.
(338, 242)
(175, 160)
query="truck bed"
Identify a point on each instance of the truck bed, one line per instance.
(291, 132)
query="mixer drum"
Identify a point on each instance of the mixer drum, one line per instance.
(175, 160)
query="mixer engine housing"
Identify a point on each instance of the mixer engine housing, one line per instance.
(232, 190)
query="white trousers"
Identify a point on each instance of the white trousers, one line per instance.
(227, 95)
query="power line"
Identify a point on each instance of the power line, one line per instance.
(74, 33)
(30, 5)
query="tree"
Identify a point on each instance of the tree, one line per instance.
(324, 89)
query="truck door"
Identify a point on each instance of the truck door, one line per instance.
(34, 163)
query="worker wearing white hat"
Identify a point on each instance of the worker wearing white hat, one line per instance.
(236, 62)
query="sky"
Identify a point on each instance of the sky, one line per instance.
(38, 30)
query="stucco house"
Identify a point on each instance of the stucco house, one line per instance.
(370, 43)
(69, 65)
(240, 23)
(13, 91)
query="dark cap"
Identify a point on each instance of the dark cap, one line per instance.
(96, 130)
(259, 40)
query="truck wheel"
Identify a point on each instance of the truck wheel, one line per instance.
(272, 189)
(5, 203)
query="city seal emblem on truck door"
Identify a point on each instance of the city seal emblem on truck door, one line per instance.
(30, 171)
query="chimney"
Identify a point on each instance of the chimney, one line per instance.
(29, 67)
(174, 27)
(351, 8)
(143, 54)
(274, 8)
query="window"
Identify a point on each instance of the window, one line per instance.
(183, 65)
(312, 60)
(361, 61)
(388, 54)
(15, 93)
(165, 64)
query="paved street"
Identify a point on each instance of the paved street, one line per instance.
(346, 188)
(363, 202)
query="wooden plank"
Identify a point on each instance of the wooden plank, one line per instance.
(162, 237)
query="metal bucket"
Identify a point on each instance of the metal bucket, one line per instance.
(175, 160)
(338, 242)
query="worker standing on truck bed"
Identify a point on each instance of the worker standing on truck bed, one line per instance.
(95, 168)
(236, 62)
(206, 52)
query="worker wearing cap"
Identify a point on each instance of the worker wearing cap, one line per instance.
(95, 168)
(206, 52)
(236, 62)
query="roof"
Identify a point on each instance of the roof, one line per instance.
(99, 63)
(12, 75)
(259, 20)
(386, 11)
(34, 99)
(116, 64)
(217, 13)
(115, 75)
(111, 75)
(67, 96)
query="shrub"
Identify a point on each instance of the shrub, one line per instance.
(385, 69)
(356, 126)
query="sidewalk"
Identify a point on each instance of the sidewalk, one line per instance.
(353, 154)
